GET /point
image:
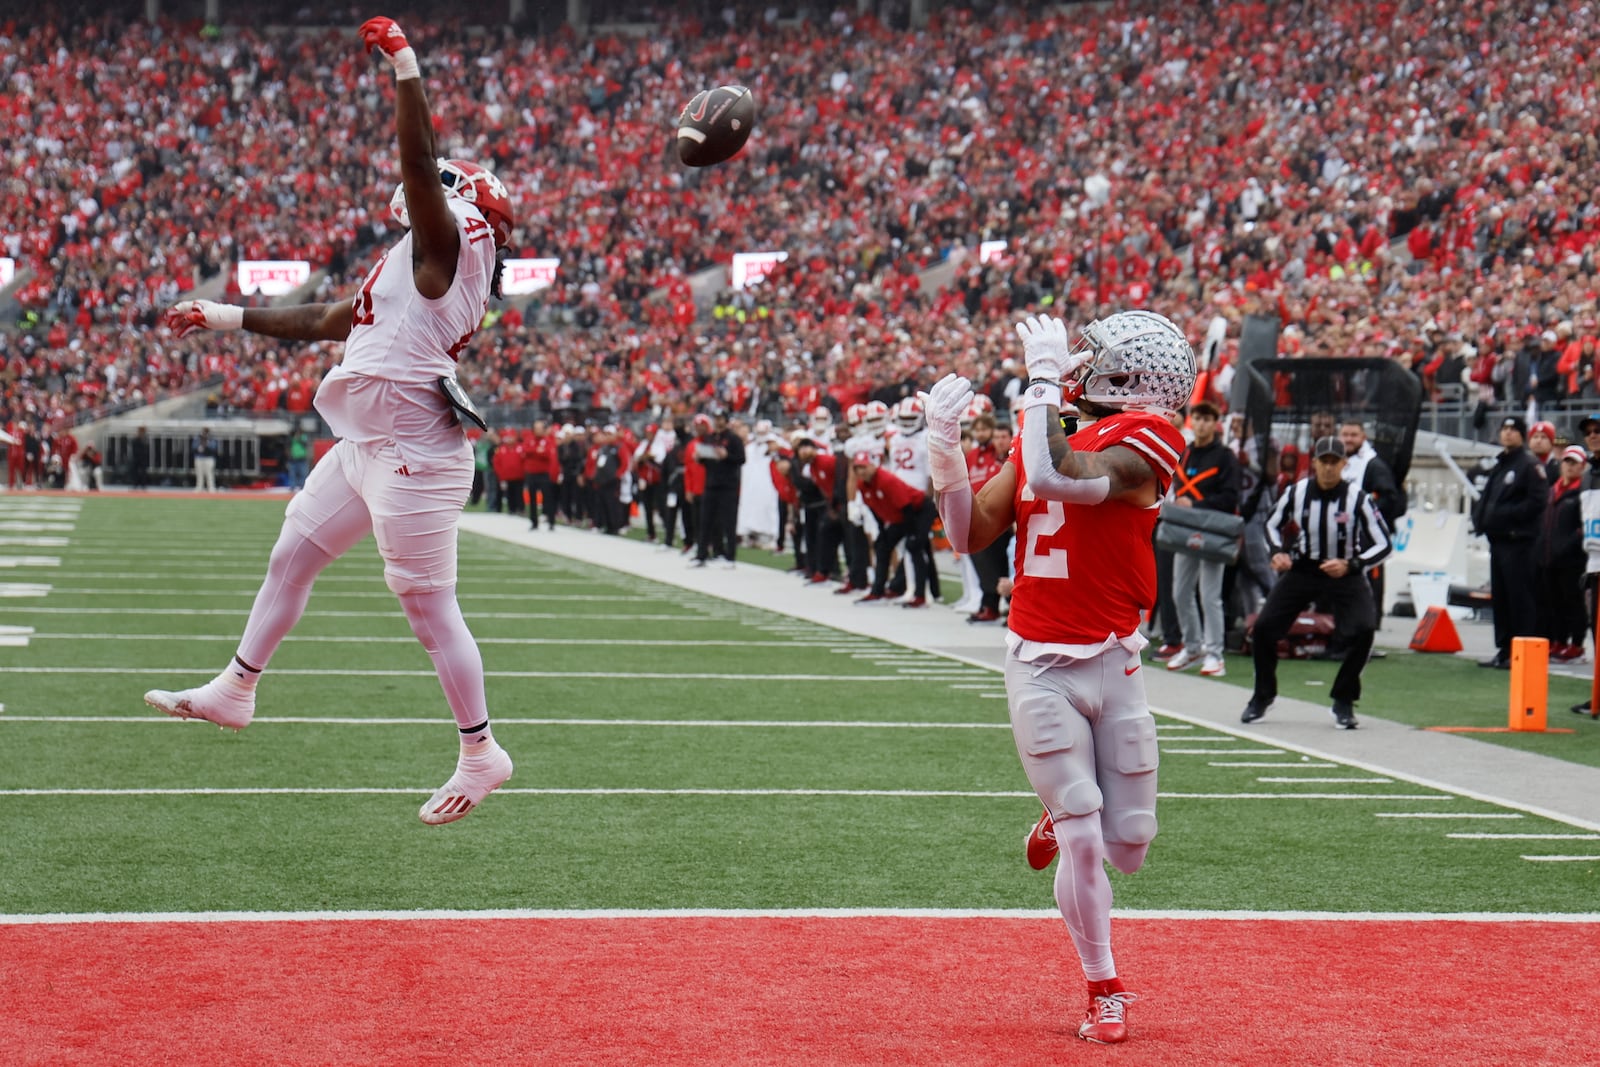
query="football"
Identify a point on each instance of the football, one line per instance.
(715, 125)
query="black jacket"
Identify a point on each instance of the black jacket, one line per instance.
(1561, 532)
(1513, 498)
(724, 473)
(1379, 482)
(1209, 476)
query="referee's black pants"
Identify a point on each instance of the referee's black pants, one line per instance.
(1348, 599)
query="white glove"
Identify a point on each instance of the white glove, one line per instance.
(943, 407)
(1046, 350)
(191, 315)
(855, 513)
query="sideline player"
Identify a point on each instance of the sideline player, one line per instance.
(1085, 510)
(402, 468)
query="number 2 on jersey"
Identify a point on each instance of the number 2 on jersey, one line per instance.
(1050, 562)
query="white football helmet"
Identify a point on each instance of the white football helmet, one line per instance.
(477, 186)
(822, 423)
(1141, 361)
(854, 416)
(876, 419)
(908, 415)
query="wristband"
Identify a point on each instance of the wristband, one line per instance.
(225, 317)
(405, 64)
(947, 467)
(1041, 393)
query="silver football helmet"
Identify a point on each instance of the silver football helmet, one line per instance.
(1141, 361)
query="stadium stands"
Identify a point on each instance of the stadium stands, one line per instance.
(1407, 181)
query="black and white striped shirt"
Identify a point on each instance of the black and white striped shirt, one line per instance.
(1311, 523)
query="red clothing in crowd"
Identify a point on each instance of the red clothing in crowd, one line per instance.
(508, 460)
(539, 455)
(888, 496)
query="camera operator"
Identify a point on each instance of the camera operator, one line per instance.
(1325, 534)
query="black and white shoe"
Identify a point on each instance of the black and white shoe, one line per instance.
(1344, 716)
(1254, 711)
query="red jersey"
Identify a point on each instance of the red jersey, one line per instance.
(539, 455)
(694, 472)
(888, 496)
(1086, 571)
(983, 464)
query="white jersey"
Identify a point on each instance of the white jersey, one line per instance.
(401, 343)
(908, 457)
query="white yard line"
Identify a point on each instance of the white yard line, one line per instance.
(656, 676)
(408, 639)
(1447, 815)
(433, 721)
(644, 914)
(1525, 837)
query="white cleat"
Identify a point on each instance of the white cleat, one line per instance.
(475, 778)
(231, 710)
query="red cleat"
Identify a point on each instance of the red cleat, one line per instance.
(1106, 1021)
(915, 602)
(848, 588)
(1041, 843)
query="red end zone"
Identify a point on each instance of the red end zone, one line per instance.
(805, 990)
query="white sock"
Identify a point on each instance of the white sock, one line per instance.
(237, 676)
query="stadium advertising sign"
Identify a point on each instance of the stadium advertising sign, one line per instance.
(991, 252)
(272, 277)
(523, 276)
(750, 267)
(8, 271)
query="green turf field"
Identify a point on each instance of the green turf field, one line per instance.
(673, 750)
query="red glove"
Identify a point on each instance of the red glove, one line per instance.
(386, 35)
(191, 315)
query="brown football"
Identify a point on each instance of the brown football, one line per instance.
(715, 125)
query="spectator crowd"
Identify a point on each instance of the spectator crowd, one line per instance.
(1403, 179)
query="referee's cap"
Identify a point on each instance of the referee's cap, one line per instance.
(1329, 446)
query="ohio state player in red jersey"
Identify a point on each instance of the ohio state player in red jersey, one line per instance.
(402, 468)
(1085, 508)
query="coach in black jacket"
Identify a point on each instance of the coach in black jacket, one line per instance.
(722, 455)
(1507, 512)
(1324, 535)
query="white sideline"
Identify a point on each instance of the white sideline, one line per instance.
(543, 914)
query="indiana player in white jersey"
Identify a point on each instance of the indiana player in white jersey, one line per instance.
(402, 468)
(1085, 509)
(908, 444)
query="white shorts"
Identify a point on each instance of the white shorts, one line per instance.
(413, 514)
(1087, 740)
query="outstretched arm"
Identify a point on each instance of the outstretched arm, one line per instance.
(304, 322)
(435, 240)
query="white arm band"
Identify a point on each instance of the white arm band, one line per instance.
(947, 465)
(1044, 480)
(405, 65)
(955, 511)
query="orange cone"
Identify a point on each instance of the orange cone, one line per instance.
(1436, 633)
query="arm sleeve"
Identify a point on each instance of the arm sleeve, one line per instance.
(1275, 523)
(955, 511)
(1374, 533)
(1044, 480)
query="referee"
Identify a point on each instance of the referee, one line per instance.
(1324, 536)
